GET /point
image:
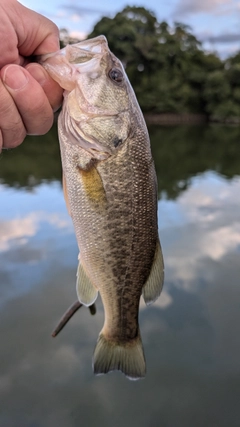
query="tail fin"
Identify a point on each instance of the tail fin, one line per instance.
(126, 357)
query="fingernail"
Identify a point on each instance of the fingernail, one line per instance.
(37, 72)
(14, 77)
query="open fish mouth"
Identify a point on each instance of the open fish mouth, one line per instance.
(81, 52)
(83, 57)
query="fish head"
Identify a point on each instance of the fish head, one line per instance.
(98, 97)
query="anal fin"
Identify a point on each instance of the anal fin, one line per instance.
(154, 283)
(86, 291)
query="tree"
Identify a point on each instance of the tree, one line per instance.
(222, 91)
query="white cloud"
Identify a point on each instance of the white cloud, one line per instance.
(209, 227)
(80, 35)
(186, 7)
(61, 14)
(75, 18)
(18, 231)
(219, 242)
(163, 301)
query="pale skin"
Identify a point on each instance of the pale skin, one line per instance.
(28, 95)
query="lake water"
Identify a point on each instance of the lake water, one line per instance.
(191, 335)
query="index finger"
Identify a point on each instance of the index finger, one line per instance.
(30, 101)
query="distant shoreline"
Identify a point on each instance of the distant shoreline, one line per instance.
(174, 119)
(185, 119)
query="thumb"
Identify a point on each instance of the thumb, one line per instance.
(36, 34)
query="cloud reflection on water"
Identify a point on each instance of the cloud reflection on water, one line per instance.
(203, 223)
(190, 334)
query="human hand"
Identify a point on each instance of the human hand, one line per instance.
(28, 94)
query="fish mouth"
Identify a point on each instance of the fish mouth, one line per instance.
(91, 47)
(81, 52)
(83, 57)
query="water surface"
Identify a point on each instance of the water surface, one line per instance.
(190, 335)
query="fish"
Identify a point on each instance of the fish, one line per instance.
(110, 188)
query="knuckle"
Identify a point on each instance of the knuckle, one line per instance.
(12, 129)
(45, 124)
(40, 122)
(53, 28)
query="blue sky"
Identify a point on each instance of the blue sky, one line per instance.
(215, 22)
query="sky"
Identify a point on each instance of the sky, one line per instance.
(216, 23)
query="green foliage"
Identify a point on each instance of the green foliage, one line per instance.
(181, 152)
(35, 161)
(226, 111)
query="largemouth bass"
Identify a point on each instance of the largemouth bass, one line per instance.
(110, 189)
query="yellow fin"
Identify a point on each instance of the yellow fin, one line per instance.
(65, 193)
(127, 357)
(86, 291)
(93, 185)
(154, 283)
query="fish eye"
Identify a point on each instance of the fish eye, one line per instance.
(116, 75)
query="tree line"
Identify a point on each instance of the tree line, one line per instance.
(168, 68)
(194, 150)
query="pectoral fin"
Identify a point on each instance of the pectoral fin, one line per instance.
(86, 291)
(154, 283)
(93, 185)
